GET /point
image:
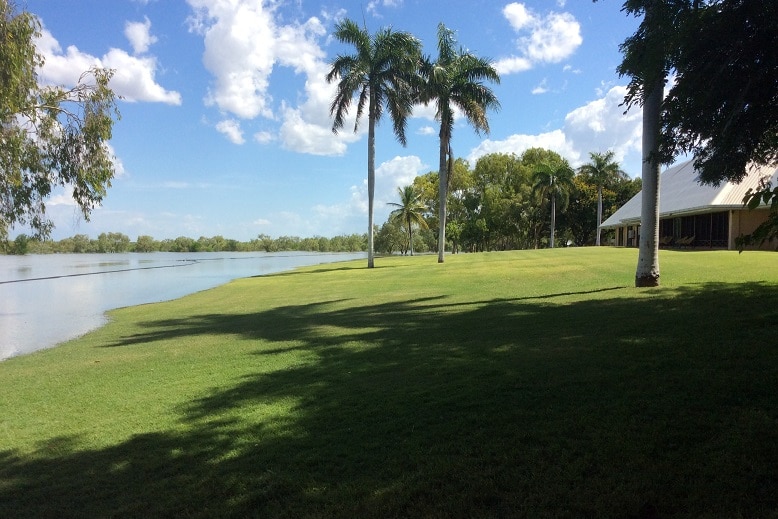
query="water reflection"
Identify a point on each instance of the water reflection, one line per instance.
(47, 299)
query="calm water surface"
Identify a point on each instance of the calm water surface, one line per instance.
(48, 299)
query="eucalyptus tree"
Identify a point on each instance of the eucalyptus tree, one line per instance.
(553, 180)
(602, 169)
(49, 135)
(380, 75)
(410, 211)
(455, 81)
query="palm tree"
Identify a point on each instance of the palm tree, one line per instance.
(554, 180)
(409, 211)
(602, 169)
(380, 75)
(648, 55)
(455, 80)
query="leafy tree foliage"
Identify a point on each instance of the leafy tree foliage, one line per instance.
(578, 223)
(767, 230)
(723, 105)
(382, 73)
(391, 238)
(49, 136)
(493, 207)
(113, 242)
(118, 242)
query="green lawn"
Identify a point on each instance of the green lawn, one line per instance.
(518, 384)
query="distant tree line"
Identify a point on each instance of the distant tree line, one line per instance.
(505, 202)
(114, 242)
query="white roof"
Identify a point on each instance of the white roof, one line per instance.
(681, 193)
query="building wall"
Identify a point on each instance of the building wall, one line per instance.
(739, 222)
(744, 222)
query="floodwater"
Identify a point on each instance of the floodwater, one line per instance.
(48, 299)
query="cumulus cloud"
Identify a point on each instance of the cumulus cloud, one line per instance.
(139, 35)
(232, 130)
(597, 126)
(239, 53)
(397, 172)
(134, 77)
(245, 41)
(548, 38)
(602, 125)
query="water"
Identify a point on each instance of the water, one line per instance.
(48, 299)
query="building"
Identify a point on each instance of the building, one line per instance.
(695, 215)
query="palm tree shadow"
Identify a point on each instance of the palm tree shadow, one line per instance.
(430, 407)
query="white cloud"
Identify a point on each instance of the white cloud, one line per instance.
(597, 126)
(397, 172)
(512, 65)
(602, 125)
(374, 5)
(64, 197)
(556, 38)
(239, 52)
(133, 77)
(555, 140)
(518, 16)
(264, 137)
(301, 135)
(551, 39)
(244, 42)
(139, 34)
(232, 130)
(542, 88)
(426, 130)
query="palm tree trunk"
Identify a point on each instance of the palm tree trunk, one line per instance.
(410, 234)
(599, 212)
(647, 273)
(370, 182)
(553, 218)
(445, 136)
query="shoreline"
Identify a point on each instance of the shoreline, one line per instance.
(39, 312)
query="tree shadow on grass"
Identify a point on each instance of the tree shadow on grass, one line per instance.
(660, 406)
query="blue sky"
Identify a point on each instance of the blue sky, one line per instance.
(225, 126)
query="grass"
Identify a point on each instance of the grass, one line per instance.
(521, 384)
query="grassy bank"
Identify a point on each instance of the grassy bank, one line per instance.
(526, 384)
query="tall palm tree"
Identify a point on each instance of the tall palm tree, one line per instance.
(553, 180)
(381, 74)
(410, 211)
(648, 56)
(455, 80)
(602, 169)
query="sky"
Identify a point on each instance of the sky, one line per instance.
(225, 126)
